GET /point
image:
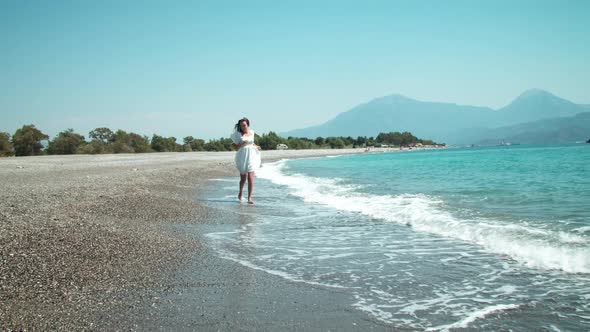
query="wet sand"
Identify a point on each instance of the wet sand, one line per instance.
(111, 242)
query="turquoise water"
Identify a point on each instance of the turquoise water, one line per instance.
(493, 238)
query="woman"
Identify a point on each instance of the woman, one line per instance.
(247, 157)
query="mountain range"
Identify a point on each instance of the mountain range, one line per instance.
(536, 116)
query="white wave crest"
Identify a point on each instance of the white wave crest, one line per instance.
(535, 248)
(474, 316)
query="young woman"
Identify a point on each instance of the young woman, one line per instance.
(248, 156)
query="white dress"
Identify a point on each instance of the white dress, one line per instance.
(248, 157)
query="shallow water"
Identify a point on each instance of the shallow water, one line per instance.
(483, 238)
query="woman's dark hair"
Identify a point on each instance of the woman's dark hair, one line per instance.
(239, 127)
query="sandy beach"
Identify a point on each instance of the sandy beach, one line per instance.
(94, 242)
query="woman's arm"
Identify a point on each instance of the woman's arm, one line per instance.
(238, 146)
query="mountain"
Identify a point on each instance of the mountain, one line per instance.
(536, 104)
(399, 113)
(442, 122)
(557, 130)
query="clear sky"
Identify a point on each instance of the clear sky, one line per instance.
(180, 68)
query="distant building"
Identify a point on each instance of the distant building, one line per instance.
(282, 146)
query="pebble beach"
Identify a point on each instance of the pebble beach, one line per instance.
(86, 243)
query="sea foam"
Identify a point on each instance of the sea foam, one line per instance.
(534, 247)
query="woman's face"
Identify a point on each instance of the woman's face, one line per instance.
(244, 126)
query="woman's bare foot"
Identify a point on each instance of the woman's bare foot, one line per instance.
(250, 201)
(240, 197)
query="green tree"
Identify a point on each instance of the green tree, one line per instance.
(360, 141)
(94, 147)
(187, 143)
(401, 139)
(5, 146)
(348, 141)
(397, 138)
(335, 142)
(102, 140)
(222, 144)
(66, 142)
(139, 144)
(269, 141)
(198, 145)
(298, 143)
(319, 141)
(165, 144)
(427, 142)
(102, 135)
(408, 138)
(27, 141)
(121, 142)
(193, 144)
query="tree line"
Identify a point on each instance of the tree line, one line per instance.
(27, 141)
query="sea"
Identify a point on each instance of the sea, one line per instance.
(482, 238)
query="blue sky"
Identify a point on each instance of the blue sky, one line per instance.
(180, 68)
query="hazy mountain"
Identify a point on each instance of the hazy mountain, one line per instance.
(557, 130)
(399, 113)
(442, 122)
(537, 104)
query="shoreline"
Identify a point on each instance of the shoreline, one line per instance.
(92, 242)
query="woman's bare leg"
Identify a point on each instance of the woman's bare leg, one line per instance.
(242, 181)
(250, 187)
